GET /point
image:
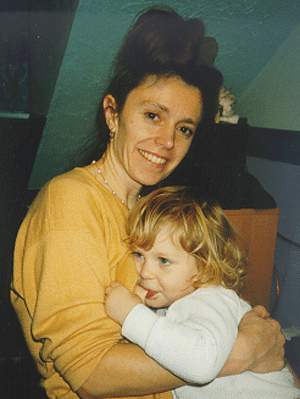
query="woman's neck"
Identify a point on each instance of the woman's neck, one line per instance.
(117, 180)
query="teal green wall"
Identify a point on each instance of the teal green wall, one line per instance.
(272, 99)
(248, 33)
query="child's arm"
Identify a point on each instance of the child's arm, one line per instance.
(119, 301)
(193, 340)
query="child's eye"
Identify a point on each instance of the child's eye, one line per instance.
(164, 261)
(138, 256)
(186, 131)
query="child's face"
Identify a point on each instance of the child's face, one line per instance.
(166, 271)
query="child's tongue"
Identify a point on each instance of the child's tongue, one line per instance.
(150, 294)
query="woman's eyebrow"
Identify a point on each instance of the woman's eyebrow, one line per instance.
(156, 105)
(166, 109)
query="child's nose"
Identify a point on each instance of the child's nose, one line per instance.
(147, 270)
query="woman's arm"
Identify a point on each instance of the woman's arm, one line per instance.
(195, 337)
(259, 346)
(125, 371)
(129, 371)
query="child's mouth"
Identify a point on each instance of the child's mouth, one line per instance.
(150, 294)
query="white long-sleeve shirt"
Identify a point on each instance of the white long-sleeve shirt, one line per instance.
(193, 339)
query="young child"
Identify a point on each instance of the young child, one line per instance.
(191, 269)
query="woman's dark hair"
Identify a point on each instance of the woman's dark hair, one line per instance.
(162, 43)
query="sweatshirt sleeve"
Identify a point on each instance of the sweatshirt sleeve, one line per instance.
(194, 338)
(65, 265)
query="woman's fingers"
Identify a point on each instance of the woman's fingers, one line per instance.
(261, 311)
(264, 339)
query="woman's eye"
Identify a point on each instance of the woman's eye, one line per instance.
(164, 261)
(186, 131)
(151, 115)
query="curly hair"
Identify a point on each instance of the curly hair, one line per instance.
(198, 226)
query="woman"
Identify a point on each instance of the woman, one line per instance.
(71, 245)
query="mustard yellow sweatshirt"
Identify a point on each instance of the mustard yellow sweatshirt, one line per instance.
(69, 248)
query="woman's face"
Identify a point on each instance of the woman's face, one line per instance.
(155, 128)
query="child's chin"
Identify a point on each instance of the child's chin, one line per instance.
(151, 304)
(155, 304)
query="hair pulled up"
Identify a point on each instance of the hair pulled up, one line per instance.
(162, 43)
(170, 42)
(199, 227)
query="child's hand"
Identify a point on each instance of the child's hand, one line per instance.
(119, 301)
(140, 292)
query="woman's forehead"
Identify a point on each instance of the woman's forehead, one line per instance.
(168, 93)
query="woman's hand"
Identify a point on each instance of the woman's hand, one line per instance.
(119, 301)
(259, 346)
(268, 340)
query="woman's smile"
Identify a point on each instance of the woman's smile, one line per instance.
(153, 158)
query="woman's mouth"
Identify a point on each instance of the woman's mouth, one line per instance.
(155, 159)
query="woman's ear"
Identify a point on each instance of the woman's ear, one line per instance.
(110, 109)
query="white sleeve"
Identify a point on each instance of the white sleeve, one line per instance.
(195, 337)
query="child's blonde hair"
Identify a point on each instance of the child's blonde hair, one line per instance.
(200, 228)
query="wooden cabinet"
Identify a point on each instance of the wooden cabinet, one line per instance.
(257, 230)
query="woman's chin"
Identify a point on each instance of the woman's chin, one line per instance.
(151, 180)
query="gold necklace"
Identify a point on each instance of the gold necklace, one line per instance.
(99, 172)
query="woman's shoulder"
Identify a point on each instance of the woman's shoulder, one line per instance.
(78, 179)
(73, 186)
(70, 196)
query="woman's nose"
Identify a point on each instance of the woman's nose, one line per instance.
(166, 137)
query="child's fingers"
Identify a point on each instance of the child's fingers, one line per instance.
(115, 284)
(140, 292)
(109, 289)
